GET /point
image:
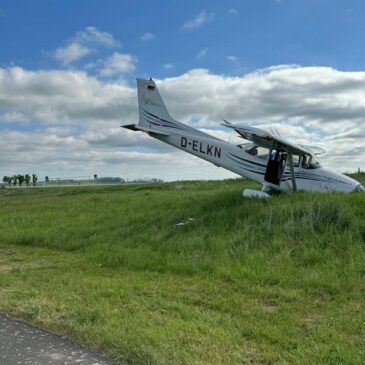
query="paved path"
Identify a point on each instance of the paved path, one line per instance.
(22, 343)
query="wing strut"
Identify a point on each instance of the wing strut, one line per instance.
(291, 165)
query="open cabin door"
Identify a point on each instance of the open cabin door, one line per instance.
(275, 166)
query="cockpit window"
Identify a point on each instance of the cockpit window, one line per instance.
(257, 151)
(310, 162)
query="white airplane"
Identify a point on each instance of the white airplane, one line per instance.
(270, 160)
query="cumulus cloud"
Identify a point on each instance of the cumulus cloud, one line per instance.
(147, 37)
(78, 117)
(92, 36)
(317, 95)
(84, 43)
(66, 97)
(201, 19)
(118, 63)
(71, 53)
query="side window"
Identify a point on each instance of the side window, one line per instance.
(305, 163)
(257, 151)
(310, 163)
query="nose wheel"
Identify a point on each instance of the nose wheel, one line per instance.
(250, 193)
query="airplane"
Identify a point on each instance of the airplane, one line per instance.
(268, 159)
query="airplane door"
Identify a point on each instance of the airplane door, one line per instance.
(275, 166)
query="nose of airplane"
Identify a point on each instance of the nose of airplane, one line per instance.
(360, 188)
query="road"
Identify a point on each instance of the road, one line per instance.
(22, 343)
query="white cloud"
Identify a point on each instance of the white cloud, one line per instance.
(92, 36)
(168, 66)
(202, 53)
(78, 117)
(118, 63)
(318, 95)
(147, 37)
(47, 153)
(199, 20)
(233, 11)
(84, 43)
(232, 59)
(71, 53)
(67, 97)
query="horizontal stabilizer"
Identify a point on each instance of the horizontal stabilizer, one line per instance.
(132, 127)
(137, 127)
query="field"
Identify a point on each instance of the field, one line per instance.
(277, 281)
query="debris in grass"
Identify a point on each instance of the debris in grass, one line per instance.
(189, 220)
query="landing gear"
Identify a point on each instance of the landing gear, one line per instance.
(250, 193)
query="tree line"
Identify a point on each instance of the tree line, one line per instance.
(21, 179)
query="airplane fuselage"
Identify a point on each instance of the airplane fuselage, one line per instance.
(237, 160)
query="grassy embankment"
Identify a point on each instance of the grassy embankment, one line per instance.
(248, 281)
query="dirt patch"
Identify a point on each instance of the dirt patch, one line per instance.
(10, 262)
(312, 321)
(268, 307)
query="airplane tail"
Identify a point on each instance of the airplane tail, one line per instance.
(150, 104)
(153, 113)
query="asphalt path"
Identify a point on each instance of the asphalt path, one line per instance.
(22, 343)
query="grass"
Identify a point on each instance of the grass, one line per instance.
(278, 281)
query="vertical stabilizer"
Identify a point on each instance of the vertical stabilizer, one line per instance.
(152, 109)
(153, 114)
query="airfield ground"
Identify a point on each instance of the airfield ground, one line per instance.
(242, 282)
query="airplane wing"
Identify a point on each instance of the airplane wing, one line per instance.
(268, 139)
(315, 149)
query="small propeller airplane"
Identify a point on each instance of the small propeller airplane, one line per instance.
(268, 159)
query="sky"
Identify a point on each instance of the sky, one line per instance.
(68, 69)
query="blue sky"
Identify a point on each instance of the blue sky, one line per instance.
(67, 71)
(259, 33)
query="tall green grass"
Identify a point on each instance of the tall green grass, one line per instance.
(243, 281)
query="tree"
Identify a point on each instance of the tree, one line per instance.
(34, 179)
(21, 179)
(14, 179)
(27, 179)
(7, 180)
